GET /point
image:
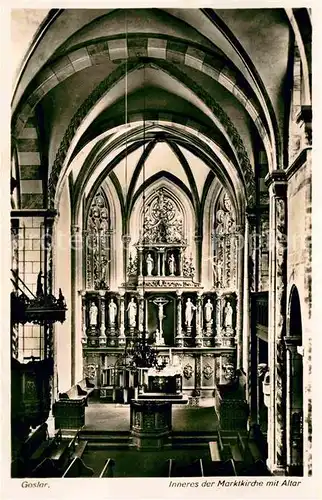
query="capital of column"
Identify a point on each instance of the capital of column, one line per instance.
(292, 343)
(276, 182)
(74, 228)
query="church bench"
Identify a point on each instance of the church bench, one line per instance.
(194, 469)
(47, 468)
(216, 449)
(215, 452)
(69, 409)
(64, 452)
(107, 470)
(38, 446)
(79, 449)
(77, 468)
(37, 439)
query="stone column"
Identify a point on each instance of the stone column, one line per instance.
(292, 344)
(84, 334)
(158, 263)
(198, 241)
(199, 340)
(197, 375)
(141, 313)
(102, 325)
(277, 185)
(50, 341)
(162, 262)
(240, 291)
(122, 338)
(140, 263)
(179, 336)
(218, 340)
(126, 238)
(250, 222)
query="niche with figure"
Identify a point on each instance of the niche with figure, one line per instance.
(225, 244)
(97, 242)
(161, 318)
(173, 262)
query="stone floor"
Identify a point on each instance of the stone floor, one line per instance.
(116, 417)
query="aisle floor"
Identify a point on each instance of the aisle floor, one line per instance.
(116, 417)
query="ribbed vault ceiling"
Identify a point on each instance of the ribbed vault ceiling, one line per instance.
(139, 94)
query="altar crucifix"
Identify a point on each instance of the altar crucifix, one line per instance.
(160, 302)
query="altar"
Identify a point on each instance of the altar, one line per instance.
(151, 411)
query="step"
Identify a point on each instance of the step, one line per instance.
(105, 445)
(106, 439)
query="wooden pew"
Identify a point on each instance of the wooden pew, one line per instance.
(77, 468)
(38, 446)
(107, 470)
(46, 468)
(69, 409)
(216, 467)
(35, 446)
(194, 469)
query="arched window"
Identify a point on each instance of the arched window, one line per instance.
(97, 243)
(225, 244)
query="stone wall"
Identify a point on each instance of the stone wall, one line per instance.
(299, 273)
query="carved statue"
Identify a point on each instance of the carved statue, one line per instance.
(149, 264)
(131, 312)
(112, 311)
(190, 308)
(227, 203)
(159, 340)
(93, 313)
(172, 265)
(208, 311)
(40, 290)
(228, 315)
(104, 219)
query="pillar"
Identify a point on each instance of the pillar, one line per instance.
(122, 321)
(50, 341)
(102, 323)
(84, 334)
(218, 320)
(199, 321)
(198, 241)
(141, 313)
(180, 270)
(162, 263)
(179, 336)
(140, 266)
(277, 185)
(292, 344)
(126, 241)
(250, 223)
(240, 291)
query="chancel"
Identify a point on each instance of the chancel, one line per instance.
(161, 244)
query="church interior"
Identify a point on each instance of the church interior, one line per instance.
(161, 244)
